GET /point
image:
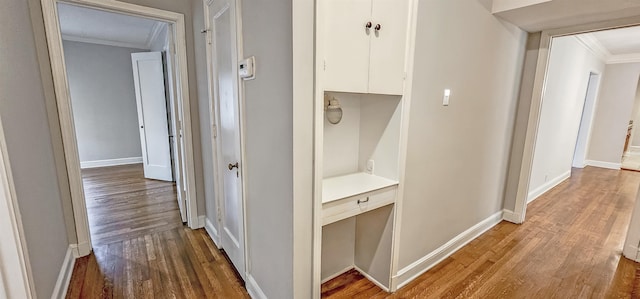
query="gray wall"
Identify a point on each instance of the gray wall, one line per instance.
(25, 120)
(104, 101)
(613, 112)
(635, 135)
(267, 34)
(205, 121)
(570, 65)
(464, 144)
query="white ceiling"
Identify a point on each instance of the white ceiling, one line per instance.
(620, 41)
(101, 27)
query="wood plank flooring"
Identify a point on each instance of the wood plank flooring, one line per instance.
(141, 248)
(569, 247)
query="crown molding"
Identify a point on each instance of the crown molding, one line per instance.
(97, 41)
(592, 44)
(155, 33)
(624, 58)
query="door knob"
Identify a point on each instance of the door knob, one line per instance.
(378, 27)
(368, 25)
(232, 166)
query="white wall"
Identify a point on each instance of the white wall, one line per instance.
(613, 112)
(570, 66)
(104, 101)
(460, 46)
(26, 127)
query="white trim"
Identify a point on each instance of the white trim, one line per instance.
(201, 221)
(499, 6)
(254, 289)
(602, 164)
(417, 268)
(65, 111)
(510, 216)
(371, 279)
(153, 35)
(624, 58)
(15, 267)
(594, 46)
(62, 284)
(631, 252)
(104, 42)
(212, 232)
(110, 162)
(534, 194)
(343, 271)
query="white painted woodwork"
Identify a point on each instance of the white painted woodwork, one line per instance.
(226, 92)
(388, 46)
(343, 208)
(148, 78)
(347, 43)
(180, 74)
(340, 187)
(360, 59)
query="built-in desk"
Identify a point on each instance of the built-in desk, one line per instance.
(349, 195)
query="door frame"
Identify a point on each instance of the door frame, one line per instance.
(16, 278)
(539, 83)
(63, 100)
(214, 125)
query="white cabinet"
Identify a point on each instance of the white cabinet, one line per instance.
(364, 45)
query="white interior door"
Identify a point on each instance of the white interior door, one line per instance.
(225, 72)
(148, 77)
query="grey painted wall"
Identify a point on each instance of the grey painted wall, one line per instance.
(478, 123)
(267, 34)
(25, 120)
(104, 101)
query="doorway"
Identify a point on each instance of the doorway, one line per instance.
(162, 125)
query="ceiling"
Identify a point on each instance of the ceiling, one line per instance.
(101, 27)
(620, 41)
(538, 15)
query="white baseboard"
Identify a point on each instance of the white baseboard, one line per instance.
(601, 164)
(81, 249)
(332, 276)
(254, 289)
(511, 216)
(417, 268)
(371, 279)
(534, 194)
(212, 231)
(110, 162)
(201, 221)
(62, 284)
(631, 252)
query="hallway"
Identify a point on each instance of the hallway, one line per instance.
(141, 247)
(569, 247)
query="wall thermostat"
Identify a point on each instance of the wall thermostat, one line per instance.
(247, 68)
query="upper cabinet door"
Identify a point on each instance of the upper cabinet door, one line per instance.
(388, 46)
(346, 45)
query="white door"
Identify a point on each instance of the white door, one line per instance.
(225, 82)
(148, 77)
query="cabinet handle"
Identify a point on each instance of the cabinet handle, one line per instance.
(368, 25)
(363, 201)
(378, 27)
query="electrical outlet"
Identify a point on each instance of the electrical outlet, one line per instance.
(370, 165)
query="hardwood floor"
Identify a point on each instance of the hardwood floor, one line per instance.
(569, 247)
(141, 248)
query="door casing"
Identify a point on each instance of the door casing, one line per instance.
(65, 113)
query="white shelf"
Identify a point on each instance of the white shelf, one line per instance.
(340, 187)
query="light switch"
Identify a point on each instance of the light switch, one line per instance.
(445, 99)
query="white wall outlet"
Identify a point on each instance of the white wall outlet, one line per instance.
(370, 165)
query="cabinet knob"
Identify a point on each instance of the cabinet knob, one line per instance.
(368, 25)
(378, 27)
